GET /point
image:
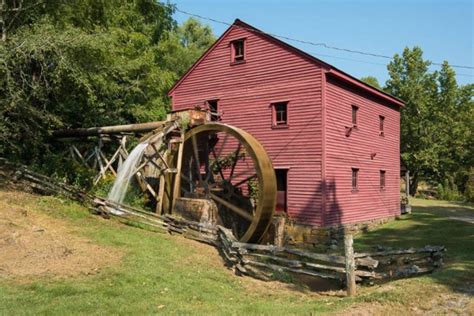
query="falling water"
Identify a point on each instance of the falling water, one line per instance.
(125, 174)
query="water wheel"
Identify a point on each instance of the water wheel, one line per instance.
(229, 166)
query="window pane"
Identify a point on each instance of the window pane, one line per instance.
(281, 113)
(354, 178)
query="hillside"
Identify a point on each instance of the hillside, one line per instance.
(67, 260)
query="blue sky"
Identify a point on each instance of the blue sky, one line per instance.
(443, 29)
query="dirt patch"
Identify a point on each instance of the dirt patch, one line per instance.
(34, 244)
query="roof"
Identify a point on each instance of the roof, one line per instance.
(331, 70)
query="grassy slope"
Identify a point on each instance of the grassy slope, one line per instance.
(173, 275)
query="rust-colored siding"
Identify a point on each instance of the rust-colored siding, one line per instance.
(245, 92)
(343, 205)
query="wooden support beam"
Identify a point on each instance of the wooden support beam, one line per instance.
(177, 177)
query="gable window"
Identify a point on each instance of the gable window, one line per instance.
(382, 179)
(381, 125)
(280, 114)
(238, 51)
(355, 175)
(214, 108)
(354, 115)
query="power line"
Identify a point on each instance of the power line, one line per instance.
(369, 62)
(303, 41)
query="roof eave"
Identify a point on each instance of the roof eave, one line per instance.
(360, 84)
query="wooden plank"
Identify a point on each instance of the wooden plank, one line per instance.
(279, 268)
(400, 251)
(305, 254)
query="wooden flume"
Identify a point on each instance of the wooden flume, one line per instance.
(190, 156)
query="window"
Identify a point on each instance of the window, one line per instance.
(355, 173)
(354, 115)
(280, 114)
(238, 51)
(214, 108)
(381, 123)
(382, 179)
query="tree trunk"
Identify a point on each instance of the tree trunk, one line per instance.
(3, 26)
(414, 184)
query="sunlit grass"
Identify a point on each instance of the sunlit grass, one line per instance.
(167, 274)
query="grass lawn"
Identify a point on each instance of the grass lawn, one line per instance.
(167, 274)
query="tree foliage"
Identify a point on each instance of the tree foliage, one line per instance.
(88, 63)
(371, 80)
(436, 122)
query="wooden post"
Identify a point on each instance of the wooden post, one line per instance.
(407, 183)
(350, 264)
(177, 177)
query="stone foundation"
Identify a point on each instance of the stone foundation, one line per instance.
(285, 232)
(198, 210)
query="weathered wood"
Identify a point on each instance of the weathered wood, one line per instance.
(350, 265)
(427, 249)
(279, 268)
(274, 249)
(96, 131)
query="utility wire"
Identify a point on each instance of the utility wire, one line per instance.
(369, 62)
(303, 41)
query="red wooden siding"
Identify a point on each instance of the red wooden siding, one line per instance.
(316, 147)
(245, 93)
(357, 150)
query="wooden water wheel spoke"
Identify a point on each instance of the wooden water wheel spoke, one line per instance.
(196, 158)
(240, 211)
(224, 142)
(238, 184)
(185, 178)
(216, 161)
(236, 159)
(236, 176)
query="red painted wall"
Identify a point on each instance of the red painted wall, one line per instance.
(343, 205)
(312, 148)
(245, 92)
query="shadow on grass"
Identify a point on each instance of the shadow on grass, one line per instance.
(428, 225)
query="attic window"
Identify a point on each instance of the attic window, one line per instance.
(238, 51)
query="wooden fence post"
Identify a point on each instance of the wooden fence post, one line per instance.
(350, 264)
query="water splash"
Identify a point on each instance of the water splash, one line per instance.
(125, 174)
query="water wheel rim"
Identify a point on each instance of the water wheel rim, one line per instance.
(264, 211)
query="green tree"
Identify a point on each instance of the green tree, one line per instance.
(411, 82)
(185, 44)
(371, 80)
(436, 122)
(87, 63)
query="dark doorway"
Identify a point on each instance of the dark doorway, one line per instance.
(282, 185)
